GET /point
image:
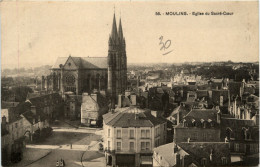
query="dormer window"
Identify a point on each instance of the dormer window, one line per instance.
(204, 124)
(224, 161)
(193, 122)
(203, 161)
(185, 123)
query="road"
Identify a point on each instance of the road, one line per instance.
(84, 142)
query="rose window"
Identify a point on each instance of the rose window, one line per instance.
(70, 79)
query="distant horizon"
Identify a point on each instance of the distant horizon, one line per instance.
(139, 63)
(37, 33)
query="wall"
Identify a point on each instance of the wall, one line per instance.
(182, 134)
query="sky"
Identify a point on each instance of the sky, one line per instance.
(37, 33)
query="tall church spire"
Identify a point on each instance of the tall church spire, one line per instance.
(114, 35)
(120, 31)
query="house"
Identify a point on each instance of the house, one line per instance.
(200, 125)
(192, 154)
(12, 136)
(33, 123)
(243, 138)
(92, 108)
(130, 135)
(72, 105)
(51, 104)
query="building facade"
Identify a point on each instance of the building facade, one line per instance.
(12, 137)
(130, 135)
(199, 125)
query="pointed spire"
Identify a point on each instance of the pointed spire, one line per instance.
(120, 31)
(114, 35)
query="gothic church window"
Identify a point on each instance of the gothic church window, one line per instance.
(70, 79)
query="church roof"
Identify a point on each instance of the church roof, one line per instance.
(83, 62)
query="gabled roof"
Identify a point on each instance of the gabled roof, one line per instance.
(199, 150)
(28, 115)
(127, 118)
(83, 62)
(166, 152)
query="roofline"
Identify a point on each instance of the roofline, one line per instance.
(80, 68)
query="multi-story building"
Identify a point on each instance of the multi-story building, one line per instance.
(51, 104)
(243, 138)
(200, 125)
(192, 154)
(33, 122)
(12, 136)
(130, 135)
(92, 108)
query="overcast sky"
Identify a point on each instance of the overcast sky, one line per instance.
(36, 33)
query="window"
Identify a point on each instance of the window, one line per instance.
(108, 133)
(108, 145)
(224, 160)
(195, 136)
(203, 161)
(142, 145)
(147, 145)
(131, 146)
(204, 136)
(132, 134)
(118, 145)
(236, 147)
(209, 136)
(142, 133)
(118, 134)
(145, 133)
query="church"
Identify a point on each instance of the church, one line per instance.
(88, 74)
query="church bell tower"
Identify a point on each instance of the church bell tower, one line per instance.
(117, 62)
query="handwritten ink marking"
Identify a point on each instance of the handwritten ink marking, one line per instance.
(165, 45)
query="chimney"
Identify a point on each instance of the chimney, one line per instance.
(120, 101)
(211, 155)
(178, 117)
(226, 140)
(154, 113)
(188, 140)
(175, 149)
(133, 99)
(256, 119)
(178, 159)
(33, 121)
(33, 109)
(219, 117)
(4, 122)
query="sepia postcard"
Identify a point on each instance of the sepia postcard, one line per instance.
(129, 83)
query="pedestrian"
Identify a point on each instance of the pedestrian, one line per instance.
(57, 164)
(61, 163)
